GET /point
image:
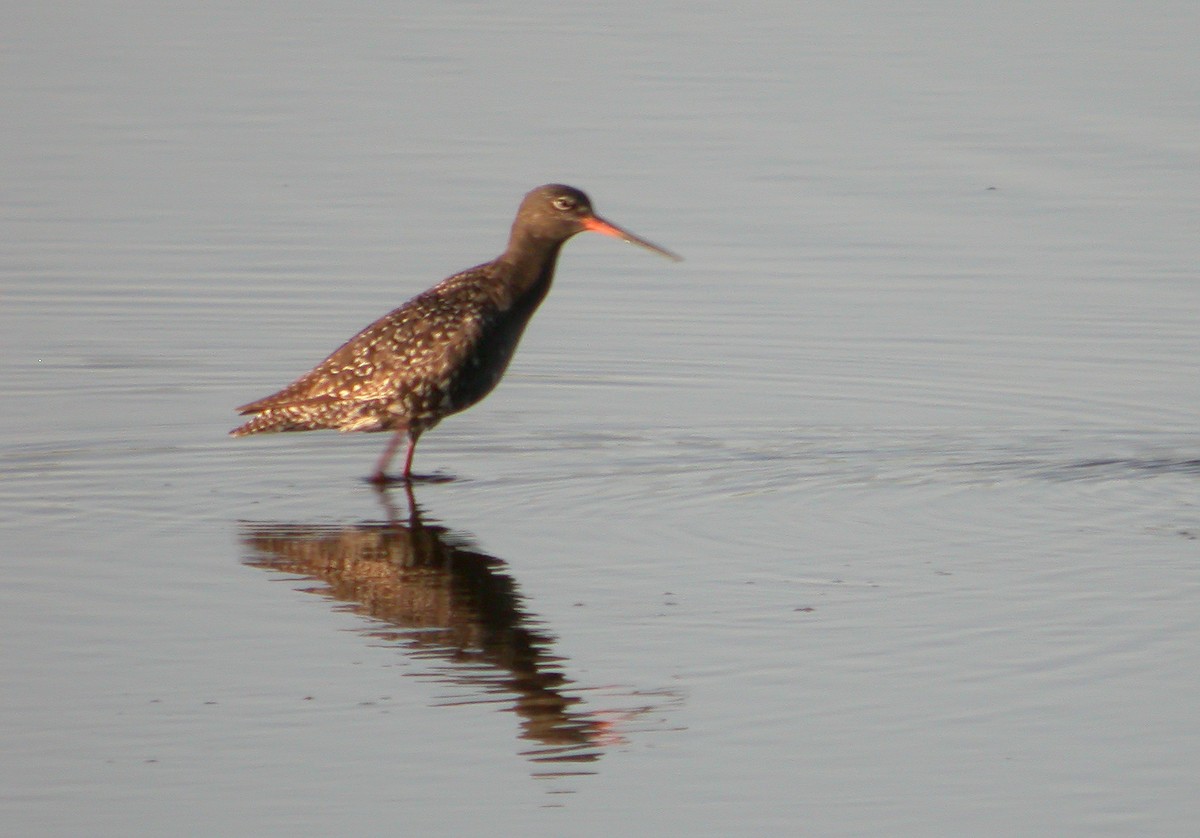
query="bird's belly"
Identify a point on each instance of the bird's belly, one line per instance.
(488, 360)
(481, 372)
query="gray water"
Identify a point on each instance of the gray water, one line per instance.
(876, 516)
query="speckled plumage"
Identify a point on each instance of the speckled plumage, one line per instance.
(443, 350)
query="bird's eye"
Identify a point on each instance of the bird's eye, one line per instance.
(564, 203)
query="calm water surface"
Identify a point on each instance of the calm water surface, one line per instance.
(878, 515)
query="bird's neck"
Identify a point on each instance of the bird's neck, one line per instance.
(530, 264)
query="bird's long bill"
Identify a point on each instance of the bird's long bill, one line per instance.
(596, 224)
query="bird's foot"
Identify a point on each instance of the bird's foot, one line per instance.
(383, 481)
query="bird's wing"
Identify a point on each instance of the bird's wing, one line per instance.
(415, 346)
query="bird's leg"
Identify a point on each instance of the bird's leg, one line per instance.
(413, 436)
(380, 478)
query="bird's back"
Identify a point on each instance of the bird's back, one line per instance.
(408, 367)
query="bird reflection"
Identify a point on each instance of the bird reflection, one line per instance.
(450, 604)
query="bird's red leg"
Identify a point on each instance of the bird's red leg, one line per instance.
(413, 436)
(380, 476)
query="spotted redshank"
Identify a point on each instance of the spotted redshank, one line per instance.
(443, 350)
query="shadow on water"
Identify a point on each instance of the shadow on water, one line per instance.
(1088, 469)
(1136, 467)
(447, 603)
